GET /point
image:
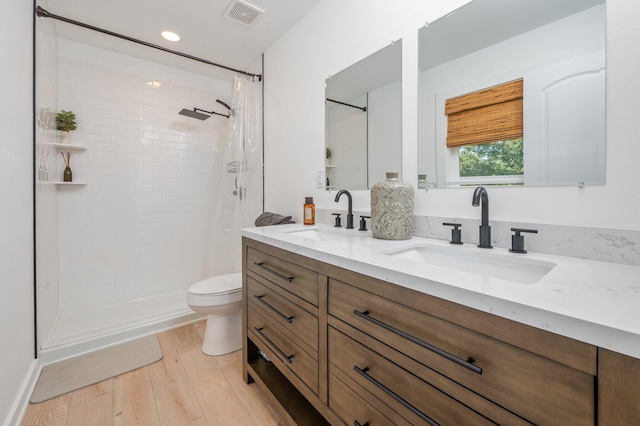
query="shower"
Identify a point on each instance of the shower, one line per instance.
(170, 185)
(202, 114)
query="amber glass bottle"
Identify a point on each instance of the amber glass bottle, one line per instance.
(309, 211)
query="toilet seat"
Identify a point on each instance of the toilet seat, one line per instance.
(214, 291)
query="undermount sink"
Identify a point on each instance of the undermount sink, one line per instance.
(476, 261)
(320, 234)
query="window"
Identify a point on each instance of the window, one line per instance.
(485, 135)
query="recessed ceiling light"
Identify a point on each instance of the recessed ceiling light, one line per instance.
(171, 36)
(153, 83)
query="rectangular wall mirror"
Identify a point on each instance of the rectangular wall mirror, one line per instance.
(513, 93)
(363, 120)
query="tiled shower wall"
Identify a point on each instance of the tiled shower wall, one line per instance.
(142, 223)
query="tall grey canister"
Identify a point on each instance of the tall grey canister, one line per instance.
(392, 209)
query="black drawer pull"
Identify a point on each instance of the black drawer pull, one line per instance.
(465, 363)
(286, 318)
(393, 395)
(277, 274)
(357, 423)
(259, 331)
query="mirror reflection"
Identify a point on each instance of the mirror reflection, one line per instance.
(513, 93)
(363, 111)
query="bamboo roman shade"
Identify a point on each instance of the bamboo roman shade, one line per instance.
(488, 115)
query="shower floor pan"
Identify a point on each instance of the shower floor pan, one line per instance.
(82, 330)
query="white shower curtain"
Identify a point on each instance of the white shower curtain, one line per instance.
(241, 194)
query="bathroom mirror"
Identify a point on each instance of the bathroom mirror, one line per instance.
(363, 112)
(557, 48)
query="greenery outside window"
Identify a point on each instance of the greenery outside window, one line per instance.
(500, 162)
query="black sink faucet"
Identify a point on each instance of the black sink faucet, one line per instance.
(350, 212)
(480, 196)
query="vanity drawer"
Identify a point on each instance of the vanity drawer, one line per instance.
(538, 389)
(275, 342)
(286, 314)
(352, 408)
(417, 401)
(294, 278)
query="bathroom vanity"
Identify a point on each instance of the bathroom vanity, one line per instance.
(341, 328)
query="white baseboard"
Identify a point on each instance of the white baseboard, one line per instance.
(22, 399)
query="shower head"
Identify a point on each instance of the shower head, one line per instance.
(194, 114)
(202, 114)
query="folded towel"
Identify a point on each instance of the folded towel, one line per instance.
(268, 218)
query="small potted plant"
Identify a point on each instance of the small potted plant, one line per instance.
(65, 122)
(328, 156)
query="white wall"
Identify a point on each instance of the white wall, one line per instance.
(142, 224)
(331, 37)
(16, 214)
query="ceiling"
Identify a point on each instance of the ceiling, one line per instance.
(204, 29)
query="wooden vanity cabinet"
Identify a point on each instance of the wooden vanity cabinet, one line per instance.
(512, 378)
(618, 389)
(345, 348)
(284, 331)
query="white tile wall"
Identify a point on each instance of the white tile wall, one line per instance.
(141, 225)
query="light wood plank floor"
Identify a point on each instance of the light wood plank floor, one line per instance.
(186, 387)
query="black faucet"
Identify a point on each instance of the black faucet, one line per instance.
(480, 195)
(350, 212)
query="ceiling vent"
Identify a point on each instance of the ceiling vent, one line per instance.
(242, 12)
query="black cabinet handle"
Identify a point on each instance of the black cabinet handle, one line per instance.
(357, 423)
(277, 274)
(268, 305)
(414, 410)
(465, 363)
(287, 357)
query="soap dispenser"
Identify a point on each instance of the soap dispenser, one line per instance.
(309, 211)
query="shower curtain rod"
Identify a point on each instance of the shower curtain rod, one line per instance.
(349, 105)
(44, 13)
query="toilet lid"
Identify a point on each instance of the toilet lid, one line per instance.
(222, 284)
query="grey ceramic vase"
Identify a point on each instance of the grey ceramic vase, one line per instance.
(392, 209)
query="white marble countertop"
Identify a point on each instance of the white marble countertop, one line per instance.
(591, 301)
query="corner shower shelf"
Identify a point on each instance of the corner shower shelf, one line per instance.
(71, 183)
(65, 147)
(62, 183)
(69, 148)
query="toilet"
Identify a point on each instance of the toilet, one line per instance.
(220, 298)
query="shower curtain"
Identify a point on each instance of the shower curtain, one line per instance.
(241, 176)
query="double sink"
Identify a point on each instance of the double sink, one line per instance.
(506, 266)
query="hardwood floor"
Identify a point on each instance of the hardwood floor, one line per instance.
(186, 387)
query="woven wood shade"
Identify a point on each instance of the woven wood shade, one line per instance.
(488, 115)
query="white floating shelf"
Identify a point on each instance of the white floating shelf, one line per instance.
(71, 183)
(65, 147)
(62, 183)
